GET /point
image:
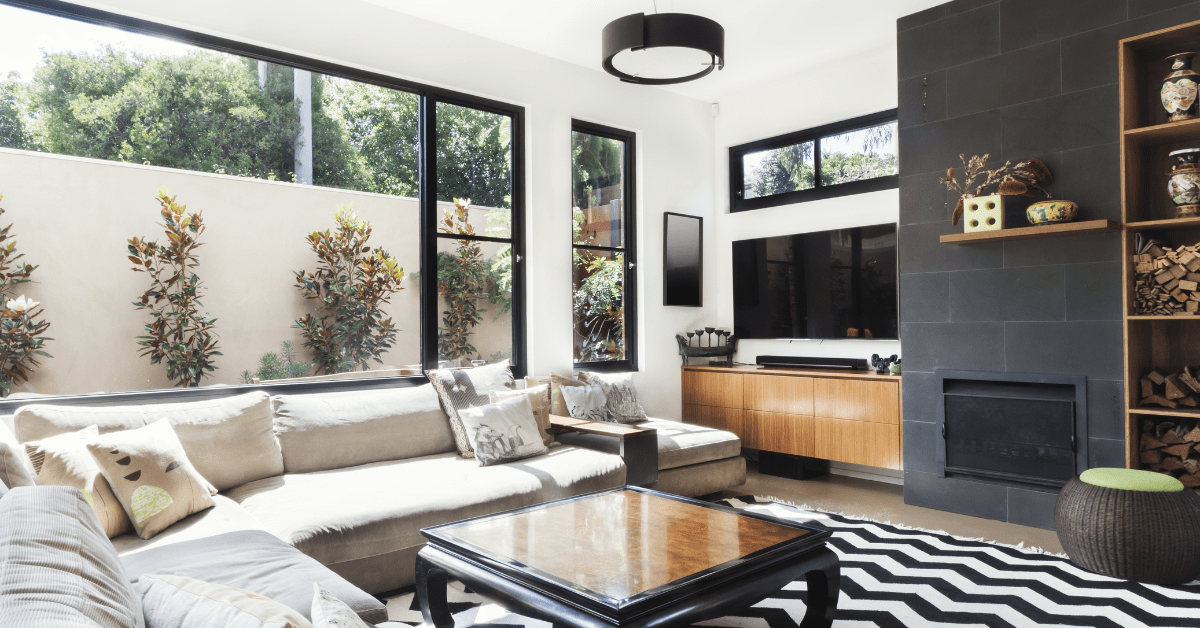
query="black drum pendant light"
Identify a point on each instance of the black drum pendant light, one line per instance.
(638, 33)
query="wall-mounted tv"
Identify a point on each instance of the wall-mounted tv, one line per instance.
(821, 285)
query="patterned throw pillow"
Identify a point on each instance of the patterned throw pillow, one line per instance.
(151, 476)
(503, 431)
(586, 402)
(539, 398)
(330, 612)
(623, 403)
(460, 389)
(558, 405)
(181, 602)
(64, 460)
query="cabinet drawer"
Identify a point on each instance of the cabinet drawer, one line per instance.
(694, 413)
(857, 400)
(720, 390)
(779, 393)
(782, 433)
(858, 442)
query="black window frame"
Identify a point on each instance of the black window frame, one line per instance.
(428, 96)
(737, 202)
(629, 251)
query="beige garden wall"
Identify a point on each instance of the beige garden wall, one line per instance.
(72, 217)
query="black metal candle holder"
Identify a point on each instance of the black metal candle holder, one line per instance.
(726, 350)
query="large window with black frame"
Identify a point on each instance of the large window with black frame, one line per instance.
(848, 157)
(195, 211)
(603, 240)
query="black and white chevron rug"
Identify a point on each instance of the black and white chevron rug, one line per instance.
(893, 576)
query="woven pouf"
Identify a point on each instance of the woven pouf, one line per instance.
(1130, 524)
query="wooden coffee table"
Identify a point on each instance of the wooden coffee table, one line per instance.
(626, 557)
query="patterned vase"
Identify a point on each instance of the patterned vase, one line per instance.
(1051, 212)
(1183, 182)
(1180, 89)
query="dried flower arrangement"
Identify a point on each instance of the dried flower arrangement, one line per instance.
(1027, 178)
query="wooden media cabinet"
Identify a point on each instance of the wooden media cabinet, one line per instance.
(841, 416)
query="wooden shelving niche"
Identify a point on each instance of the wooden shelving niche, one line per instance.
(1165, 343)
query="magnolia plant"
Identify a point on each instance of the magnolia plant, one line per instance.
(22, 329)
(1025, 178)
(178, 334)
(351, 285)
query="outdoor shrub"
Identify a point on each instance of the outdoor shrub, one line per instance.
(352, 283)
(178, 333)
(21, 325)
(282, 365)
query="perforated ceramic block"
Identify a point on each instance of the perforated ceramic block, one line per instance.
(983, 213)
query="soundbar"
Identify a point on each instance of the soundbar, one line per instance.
(848, 364)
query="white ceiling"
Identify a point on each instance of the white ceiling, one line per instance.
(764, 39)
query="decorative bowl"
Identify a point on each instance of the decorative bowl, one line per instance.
(1051, 212)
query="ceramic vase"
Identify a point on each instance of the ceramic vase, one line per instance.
(1183, 182)
(983, 213)
(1181, 88)
(1051, 212)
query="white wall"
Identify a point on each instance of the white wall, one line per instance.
(675, 140)
(859, 86)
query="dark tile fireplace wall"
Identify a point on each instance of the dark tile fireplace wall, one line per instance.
(1014, 79)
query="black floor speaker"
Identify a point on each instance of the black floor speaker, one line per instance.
(791, 467)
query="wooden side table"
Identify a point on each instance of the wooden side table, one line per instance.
(637, 446)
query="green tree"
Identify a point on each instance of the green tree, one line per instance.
(13, 131)
(597, 162)
(474, 156)
(381, 127)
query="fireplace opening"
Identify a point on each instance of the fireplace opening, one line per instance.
(1017, 428)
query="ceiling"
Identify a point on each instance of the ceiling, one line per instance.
(764, 39)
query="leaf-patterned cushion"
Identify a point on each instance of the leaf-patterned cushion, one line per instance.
(623, 403)
(151, 476)
(462, 388)
(503, 431)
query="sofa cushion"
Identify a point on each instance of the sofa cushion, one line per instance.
(503, 431)
(683, 444)
(225, 516)
(230, 440)
(64, 460)
(15, 469)
(255, 561)
(359, 512)
(179, 602)
(330, 612)
(539, 400)
(462, 388)
(151, 476)
(57, 568)
(679, 444)
(3, 490)
(334, 430)
(620, 394)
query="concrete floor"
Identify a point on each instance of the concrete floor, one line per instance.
(885, 502)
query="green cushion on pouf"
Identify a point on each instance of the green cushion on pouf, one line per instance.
(1131, 480)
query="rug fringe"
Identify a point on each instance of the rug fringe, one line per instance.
(1020, 546)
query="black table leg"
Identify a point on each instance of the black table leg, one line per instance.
(824, 586)
(431, 594)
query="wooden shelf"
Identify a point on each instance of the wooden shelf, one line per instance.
(1169, 223)
(1027, 233)
(1167, 133)
(1146, 317)
(1165, 411)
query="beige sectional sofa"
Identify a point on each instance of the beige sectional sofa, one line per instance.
(350, 478)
